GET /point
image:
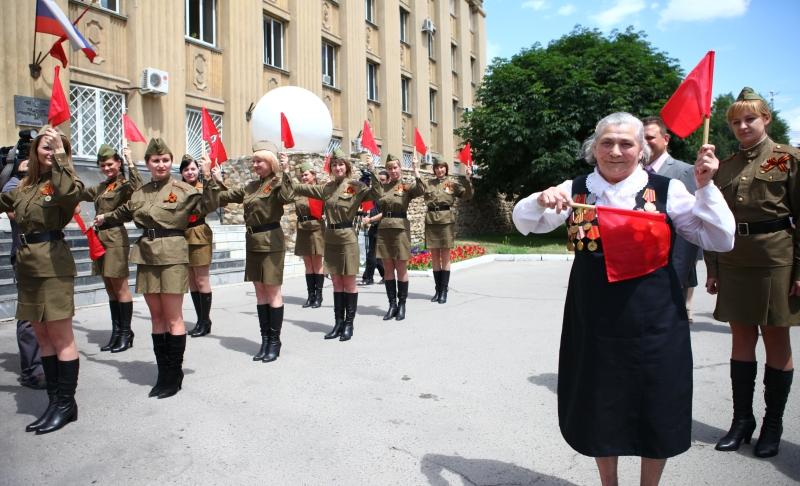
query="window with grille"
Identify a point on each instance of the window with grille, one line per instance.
(328, 64)
(403, 25)
(95, 119)
(201, 21)
(194, 132)
(405, 90)
(407, 158)
(372, 81)
(273, 42)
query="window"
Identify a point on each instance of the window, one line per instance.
(372, 81)
(407, 158)
(472, 64)
(328, 64)
(472, 18)
(456, 113)
(273, 42)
(369, 10)
(431, 47)
(96, 118)
(432, 104)
(453, 8)
(454, 57)
(194, 131)
(405, 89)
(403, 25)
(201, 21)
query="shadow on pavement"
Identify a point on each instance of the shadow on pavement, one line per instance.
(136, 372)
(29, 402)
(98, 337)
(548, 380)
(239, 344)
(709, 325)
(316, 327)
(482, 472)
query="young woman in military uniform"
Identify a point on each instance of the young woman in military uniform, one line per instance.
(342, 197)
(43, 203)
(200, 239)
(394, 235)
(263, 201)
(113, 265)
(162, 208)
(440, 195)
(309, 243)
(758, 283)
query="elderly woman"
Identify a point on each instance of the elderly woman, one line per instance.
(441, 193)
(310, 243)
(162, 208)
(758, 283)
(43, 204)
(342, 197)
(200, 239)
(625, 365)
(113, 265)
(263, 201)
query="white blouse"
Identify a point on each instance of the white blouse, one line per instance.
(703, 218)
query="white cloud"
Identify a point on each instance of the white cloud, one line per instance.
(535, 4)
(618, 13)
(567, 9)
(694, 11)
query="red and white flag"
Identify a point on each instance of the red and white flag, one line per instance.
(50, 19)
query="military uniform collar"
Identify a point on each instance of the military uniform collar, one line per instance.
(160, 184)
(759, 149)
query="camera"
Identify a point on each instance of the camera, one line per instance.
(11, 156)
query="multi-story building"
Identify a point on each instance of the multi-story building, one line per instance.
(401, 64)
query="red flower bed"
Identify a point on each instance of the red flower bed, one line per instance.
(422, 260)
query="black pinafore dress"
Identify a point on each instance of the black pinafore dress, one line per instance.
(625, 364)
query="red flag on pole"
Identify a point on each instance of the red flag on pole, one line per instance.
(58, 112)
(635, 243)
(96, 248)
(465, 155)
(419, 142)
(327, 165)
(691, 102)
(132, 134)
(286, 132)
(368, 141)
(211, 135)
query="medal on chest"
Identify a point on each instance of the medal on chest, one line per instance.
(649, 196)
(48, 191)
(171, 198)
(779, 162)
(448, 187)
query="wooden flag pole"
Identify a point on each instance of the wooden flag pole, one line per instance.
(706, 123)
(582, 206)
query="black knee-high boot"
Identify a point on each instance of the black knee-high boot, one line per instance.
(338, 316)
(113, 306)
(66, 409)
(402, 295)
(351, 305)
(743, 382)
(196, 301)
(263, 324)
(125, 340)
(311, 287)
(50, 367)
(319, 283)
(777, 384)
(203, 326)
(391, 294)
(437, 279)
(160, 351)
(274, 338)
(176, 347)
(444, 283)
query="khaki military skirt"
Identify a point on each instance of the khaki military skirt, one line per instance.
(199, 255)
(394, 243)
(113, 264)
(45, 298)
(309, 243)
(162, 279)
(341, 259)
(756, 296)
(264, 267)
(439, 236)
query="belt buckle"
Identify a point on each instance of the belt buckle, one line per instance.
(23, 240)
(743, 229)
(151, 233)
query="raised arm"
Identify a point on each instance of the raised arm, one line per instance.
(134, 177)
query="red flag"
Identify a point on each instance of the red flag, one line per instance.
(58, 112)
(635, 243)
(366, 206)
(419, 142)
(465, 155)
(691, 102)
(57, 51)
(327, 165)
(286, 132)
(132, 134)
(315, 208)
(211, 135)
(368, 141)
(96, 248)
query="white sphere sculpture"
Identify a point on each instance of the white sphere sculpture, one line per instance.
(307, 114)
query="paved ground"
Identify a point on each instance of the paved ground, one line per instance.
(462, 393)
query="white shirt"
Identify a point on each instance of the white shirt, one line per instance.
(656, 164)
(703, 218)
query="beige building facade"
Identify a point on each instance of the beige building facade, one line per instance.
(401, 64)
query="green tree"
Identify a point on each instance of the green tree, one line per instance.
(535, 110)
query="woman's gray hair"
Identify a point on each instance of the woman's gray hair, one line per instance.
(615, 119)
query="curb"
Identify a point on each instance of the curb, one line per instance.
(497, 257)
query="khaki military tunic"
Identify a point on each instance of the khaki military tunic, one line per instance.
(46, 270)
(341, 202)
(440, 195)
(263, 202)
(108, 196)
(394, 229)
(158, 206)
(759, 184)
(199, 236)
(309, 239)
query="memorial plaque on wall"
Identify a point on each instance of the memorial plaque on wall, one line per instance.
(30, 112)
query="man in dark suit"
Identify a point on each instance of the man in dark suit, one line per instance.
(684, 256)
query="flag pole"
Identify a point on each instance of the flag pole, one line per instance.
(706, 123)
(582, 206)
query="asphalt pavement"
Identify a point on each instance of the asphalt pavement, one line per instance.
(457, 394)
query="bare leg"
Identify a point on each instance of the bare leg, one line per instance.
(56, 338)
(268, 294)
(436, 259)
(778, 347)
(743, 340)
(388, 269)
(651, 471)
(607, 467)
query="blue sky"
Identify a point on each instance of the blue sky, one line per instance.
(756, 41)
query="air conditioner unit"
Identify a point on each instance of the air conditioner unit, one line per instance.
(427, 26)
(326, 79)
(155, 81)
(467, 109)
